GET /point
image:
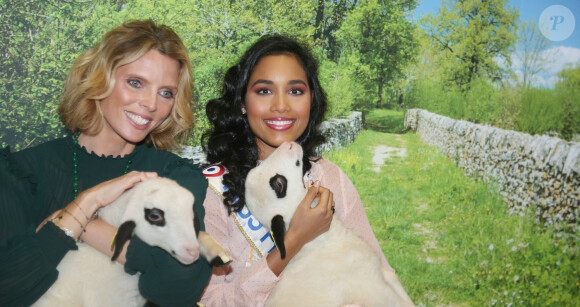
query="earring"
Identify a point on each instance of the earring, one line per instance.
(243, 110)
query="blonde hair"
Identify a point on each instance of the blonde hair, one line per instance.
(92, 78)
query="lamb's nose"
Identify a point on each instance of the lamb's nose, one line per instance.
(193, 252)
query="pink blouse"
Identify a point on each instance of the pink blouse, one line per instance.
(247, 281)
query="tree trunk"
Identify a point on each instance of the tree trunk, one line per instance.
(380, 100)
(400, 102)
(318, 21)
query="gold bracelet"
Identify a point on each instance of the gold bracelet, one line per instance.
(66, 231)
(74, 201)
(76, 219)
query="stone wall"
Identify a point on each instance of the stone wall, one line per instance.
(338, 132)
(537, 172)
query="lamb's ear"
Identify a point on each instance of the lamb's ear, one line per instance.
(278, 229)
(131, 199)
(124, 233)
(196, 224)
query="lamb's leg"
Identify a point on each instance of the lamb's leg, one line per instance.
(212, 251)
(395, 283)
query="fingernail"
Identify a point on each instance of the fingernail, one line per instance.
(316, 184)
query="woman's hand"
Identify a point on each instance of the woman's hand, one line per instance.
(78, 213)
(106, 192)
(308, 223)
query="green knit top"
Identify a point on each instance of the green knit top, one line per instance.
(36, 182)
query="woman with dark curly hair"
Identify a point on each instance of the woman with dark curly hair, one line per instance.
(232, 141)
(272, 95)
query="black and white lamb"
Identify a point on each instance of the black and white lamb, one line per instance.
(160, 212)
(338, 267)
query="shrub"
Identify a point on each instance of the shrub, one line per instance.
(341, 90)
(540, 111)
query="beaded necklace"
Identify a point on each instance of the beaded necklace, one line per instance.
(76, 166)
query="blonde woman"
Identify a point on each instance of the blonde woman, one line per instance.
(125, 102)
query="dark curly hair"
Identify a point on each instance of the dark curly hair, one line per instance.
(230, 141)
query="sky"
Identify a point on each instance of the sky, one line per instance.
(560, 23)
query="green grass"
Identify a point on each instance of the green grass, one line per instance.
(383, 120)
(449, 236)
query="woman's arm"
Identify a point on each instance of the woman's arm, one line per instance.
(28, 260)
(99, 235)
(76, 217)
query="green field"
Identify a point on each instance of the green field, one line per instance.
(449, 236)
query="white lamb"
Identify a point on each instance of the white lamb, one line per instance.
(160, 212)
(338, 267)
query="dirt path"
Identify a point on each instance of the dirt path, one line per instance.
(383, 153)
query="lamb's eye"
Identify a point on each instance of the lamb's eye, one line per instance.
(297, 162)
(279, 185)
(155, 216)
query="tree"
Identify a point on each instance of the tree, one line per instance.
(568, 90)
(473, 36)
(423, 78)
(329, 18)
(38, 42)
(529, 54)
(378, 42)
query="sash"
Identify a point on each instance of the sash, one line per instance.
(257, 235)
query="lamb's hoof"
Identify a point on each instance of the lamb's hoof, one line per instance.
(221, 260)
